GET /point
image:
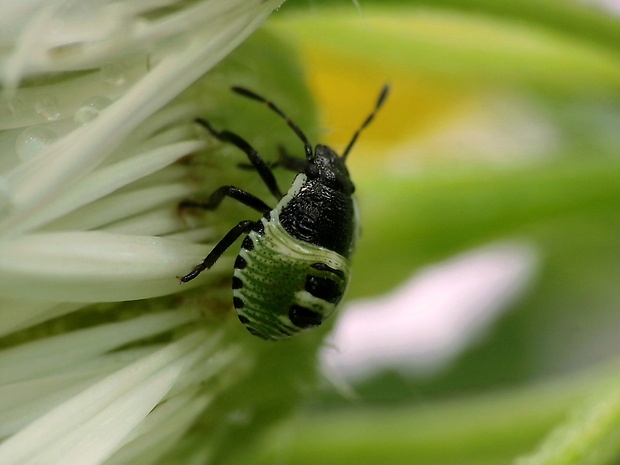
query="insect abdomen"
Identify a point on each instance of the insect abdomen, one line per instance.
(282, 285)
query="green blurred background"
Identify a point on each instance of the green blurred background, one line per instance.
(503, 125)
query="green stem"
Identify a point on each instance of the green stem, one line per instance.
(590, 437)
(486, 429)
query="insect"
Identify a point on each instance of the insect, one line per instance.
(293, 266)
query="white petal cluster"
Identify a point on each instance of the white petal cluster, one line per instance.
(89, 137)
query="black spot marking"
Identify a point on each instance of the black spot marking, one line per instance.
(323, 288)
(324, 267)
(237, 303)
(303, 317)
(248, 244)
(243, 319)
(240, 263)
(260, 227)
(237, 283)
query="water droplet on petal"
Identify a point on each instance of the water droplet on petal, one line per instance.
(90, 109)
(47, 107)
(32, 140)
(112, 73)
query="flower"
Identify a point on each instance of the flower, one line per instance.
(96, 136)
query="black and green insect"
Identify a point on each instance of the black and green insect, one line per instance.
(293, 267)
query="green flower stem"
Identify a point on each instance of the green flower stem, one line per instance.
(590, 437)
(483, 429)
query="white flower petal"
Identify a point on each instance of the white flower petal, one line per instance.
(89, 182)
(100, 415)
(116, 207)
(19, 314)
(104, 181)
(159, 222)
(94, 440)
(23, 402)
(171, 420)
(167, 424)
(34, 182)
(93, 266)
(50, 355)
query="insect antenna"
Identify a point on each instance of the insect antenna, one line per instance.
(251, 95)
(382, 96)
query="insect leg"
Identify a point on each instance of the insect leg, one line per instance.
(230, 237)
(285, 160)
(272, 106)
(249, 166)
(257, 161)
(228, 191)
(290, 162)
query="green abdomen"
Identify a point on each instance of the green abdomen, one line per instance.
(283, 285)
